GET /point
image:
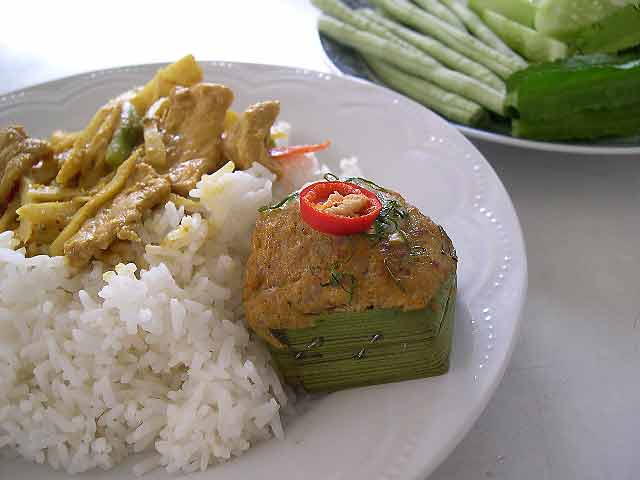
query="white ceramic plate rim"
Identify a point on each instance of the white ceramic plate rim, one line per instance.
(413, 467)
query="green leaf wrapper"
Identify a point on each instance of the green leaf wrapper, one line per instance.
(345, 349)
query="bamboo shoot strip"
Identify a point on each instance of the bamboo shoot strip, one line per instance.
(463, 43)
(439, 51)
(476, 26)
(452, 106)
(413, 62)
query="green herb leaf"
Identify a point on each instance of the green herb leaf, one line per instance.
(281, 203)
(344, 281)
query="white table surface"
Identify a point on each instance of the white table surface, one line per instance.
(569, 405)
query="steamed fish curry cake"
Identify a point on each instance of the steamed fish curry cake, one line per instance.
(85, 194)
(351, 285)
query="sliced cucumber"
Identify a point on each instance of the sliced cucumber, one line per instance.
(531, 44)
(592, 82)
(521, 11)
(614, 33)
(562, 18)
(584, 125)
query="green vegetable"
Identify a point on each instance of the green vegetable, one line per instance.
(580, 98)
(521, 11)
(340, 11)
(533, 45)
(586, 124)
(413, 62)
(478, 28)
(462, 42)
(343, 281)
(614, 33)
(351, 349)
(452, 106)
(127, 136)
(434, 7)
(438, 50)
(280, 204)
(562, 18)
(594, 82)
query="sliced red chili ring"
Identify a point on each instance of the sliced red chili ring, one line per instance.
(316, 193)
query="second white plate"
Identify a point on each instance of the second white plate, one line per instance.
(345, 61)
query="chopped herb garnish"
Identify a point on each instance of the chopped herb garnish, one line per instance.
(450, 250)
(417, 250)
(280, 203)
(368, 182)
(330, 177)
(344, 281)
(388, 221)
(393, 275)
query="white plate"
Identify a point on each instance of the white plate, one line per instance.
(397, 431)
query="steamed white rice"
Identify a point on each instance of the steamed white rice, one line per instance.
(99, 365)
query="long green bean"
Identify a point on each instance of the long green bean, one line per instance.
(337, 9)
(476, 26)
(413, 62)
(439, 51)
(436, 8)
(452, 106)
(125, 138)
(462, 42)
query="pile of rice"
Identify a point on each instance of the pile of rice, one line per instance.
(96, 366)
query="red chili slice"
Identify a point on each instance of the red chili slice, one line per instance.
(284, 152)
(317, 193)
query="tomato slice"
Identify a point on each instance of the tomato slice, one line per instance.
(285, 152)
(316, 193)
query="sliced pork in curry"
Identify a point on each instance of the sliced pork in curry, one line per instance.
(116, 220)
(192, 128)
(247, 141)
(18, 155)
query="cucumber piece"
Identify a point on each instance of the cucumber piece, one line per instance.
(521, 11)
(591, 82)
(562, 18)
(344, 350)
(531, 44)
(616, 32)
(583, 125)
